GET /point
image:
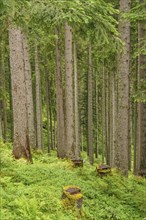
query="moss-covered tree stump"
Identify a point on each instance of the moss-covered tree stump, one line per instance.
(142, 173)
(103, 170)
(72, 197)
(77, 162)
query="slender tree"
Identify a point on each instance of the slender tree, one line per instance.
(90, 110)
(3, 87)
(28, 83)
(76, 107)
(113, 121)
(47, 104)
(0, 93)
(141, 119)
(0, 121)
(103, 116)
(39, 135)
(97, 117)
(61, 148)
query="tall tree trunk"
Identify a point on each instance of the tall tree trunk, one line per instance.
(114, 153)
(135, 121)
(130, 132)
(28, 83)
(69, 126)
(0, 120)
(82, 138)
(61, 148)
(135, 135)
(112, 117)
(107, 101)
(141, 120)
(97, 118)
(21, 146)
(103, 116)
(5, 118)
(54, 143)
(77, 144)
(48, 106)
(11, 105)
(1, 92)
(38, 103)
(123, 96)
(51, 127)
(90, 110)
(4, 107)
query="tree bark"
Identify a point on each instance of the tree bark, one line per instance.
(51, 127)
(103, 116)
(48, 105)
(141, 119)
(114, 153)
(77, 141)
(61, 148)
(29, 96)
(3, 88)
(112, 118)
(61, 151)
(0, 120)
(1, 93)
(123, 85)
(90, 110)
(97, 117)
(21, 146)
(107, 101)
(39, 129)
(69, 126)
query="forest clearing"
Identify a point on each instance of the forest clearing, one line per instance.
(73, 109)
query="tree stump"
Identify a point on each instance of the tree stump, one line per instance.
(77, 162)
(72, 197)
(103, 170)
(142, 173)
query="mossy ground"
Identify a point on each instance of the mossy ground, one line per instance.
(33, 191)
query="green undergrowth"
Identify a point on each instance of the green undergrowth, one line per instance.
(33, 191)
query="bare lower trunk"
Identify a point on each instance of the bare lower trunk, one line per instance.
(90, 110)
(70, 145)
(5, 119)
(38, 102)
(97, 118)
(103, 116)
(113, 121)
(108, 119)
(135, 168)
(28, 83)
(11, 106)
(59, 101)
(0, 93)
(51, 127)
(0, 120)
(54, 131)
(123, 85)
(77, 144)
(141, 120)
(21, 147)
(3, 88)
(47, 105)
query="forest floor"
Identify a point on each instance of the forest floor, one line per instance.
(33, 191)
